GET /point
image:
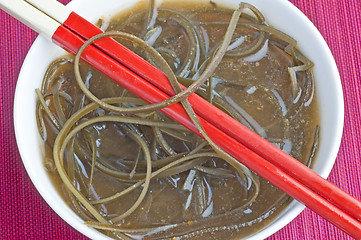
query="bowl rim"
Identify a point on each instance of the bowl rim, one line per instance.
(288, 214)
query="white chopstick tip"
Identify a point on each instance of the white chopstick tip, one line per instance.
(52, 8)
(31, 17)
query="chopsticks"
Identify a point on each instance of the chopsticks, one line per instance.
(70, 30)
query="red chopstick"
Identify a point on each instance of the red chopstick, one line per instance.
(151, 94)
(150, 84)
(218, 118)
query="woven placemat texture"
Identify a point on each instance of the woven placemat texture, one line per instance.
(25, 215)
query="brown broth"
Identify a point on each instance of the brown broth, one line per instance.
(257, 92)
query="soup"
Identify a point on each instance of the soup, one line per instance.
(140, 175)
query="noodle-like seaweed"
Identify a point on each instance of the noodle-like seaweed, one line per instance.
(78, 124)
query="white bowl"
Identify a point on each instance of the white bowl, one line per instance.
(279, 13)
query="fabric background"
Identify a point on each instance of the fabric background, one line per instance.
(25, 215)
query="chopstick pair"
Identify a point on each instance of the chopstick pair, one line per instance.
(69, 30)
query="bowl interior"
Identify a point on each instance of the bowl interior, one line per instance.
(279, 13)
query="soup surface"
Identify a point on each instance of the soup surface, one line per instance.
(201, 198)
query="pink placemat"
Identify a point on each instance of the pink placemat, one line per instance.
(25, 215)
